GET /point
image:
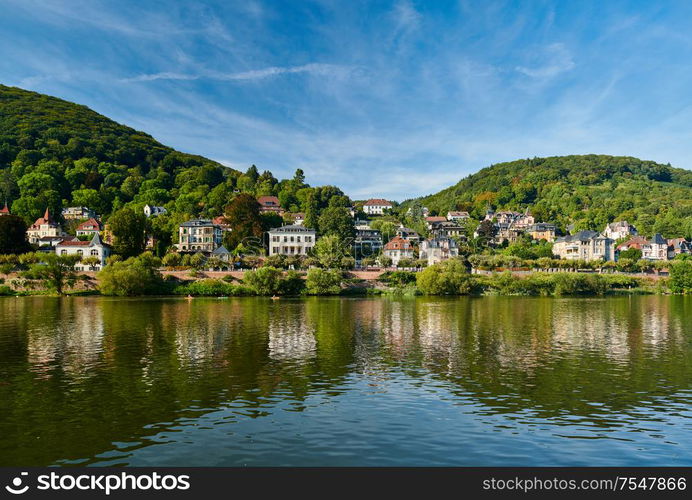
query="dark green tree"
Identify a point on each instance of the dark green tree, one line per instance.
(338, 222)
(12, 235)
(243, 216)
(128, 228)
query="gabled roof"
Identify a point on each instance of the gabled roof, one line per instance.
(635, 242)
(580, 236)
(435, 218)
(271, 201)
(5, 210)
(377, 202)
(46, 219)
(398, 243)
(658, 240)
(222, 250)
(89, 224)
(292, 228)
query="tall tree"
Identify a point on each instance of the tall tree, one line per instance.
(243, 216)
(128, 228)
(12, 235)
(311, 215)
(56, 271)
(337, 221)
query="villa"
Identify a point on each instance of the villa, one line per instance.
(542, 231)
(269, 204)
(77, 213)
(199, 235)
(398, 248)
(457, 216)
(85, 249)
(438, 249)
(89, 227)
(618, 230)
(376, 206)
(291, 240)
(44, 226)
(584, 245)
(153, 211)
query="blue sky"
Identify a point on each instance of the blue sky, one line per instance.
(384, 98)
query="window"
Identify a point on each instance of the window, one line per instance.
(94, 252)
(80, 252)
(63, 252)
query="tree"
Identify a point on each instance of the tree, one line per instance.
(486, 231)
(449, 277)
(134, 276)
(630, 253)
(243, 216)
(13, 235)
(128, 228)
(323, 281)
(264, 281)
(681, 276)
(330, 251)
(310, 209)
(336, 221)
(56, 271)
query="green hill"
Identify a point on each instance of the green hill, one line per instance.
(589, 190)
(55, 153)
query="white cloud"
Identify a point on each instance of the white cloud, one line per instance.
(548, 62)
(319, 69)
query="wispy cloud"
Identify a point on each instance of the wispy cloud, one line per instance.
(549, 62)
(318, 69)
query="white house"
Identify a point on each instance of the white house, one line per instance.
(438, 249)
(457, 216)
(199, 235)
(617, 230)
(44, 227)
(584, 245)
(89, 227)
(94, 248)
(77, 213)
(398, 248)
(656, 248)
(291, 240)
(153, 211)
(376, 206)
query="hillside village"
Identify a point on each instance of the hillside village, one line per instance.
(378, 238)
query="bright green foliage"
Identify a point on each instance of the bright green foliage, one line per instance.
(330, 251)
(336, 221)
(681, 276)
(134, 276)
(264, 281)
(56, 271)
(323, 281)
(128, 228)
(630, 253)
(590, 190)
(449, 277)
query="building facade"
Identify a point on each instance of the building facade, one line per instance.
(77, 213)
(398, 248)
(291, 240)
(94, 249)
(199, 235)
(617, 230)
(656, 248)
(438, 249)
(584, 245)
(542, 231)
(89, 227)
(270, 204)
(153, 211)
(43, 227)
(376, 206)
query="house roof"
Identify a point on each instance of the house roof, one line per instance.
(4, 210)
(541, 226)
(89, 224)
(454, 213)
(580, 236)
(74, 243)
(220, 220)
(658, 239)
(635, 242)
(377, 202)
(198, 223)
(271, 201)
(292, 228)
(46, 219)
(441, 242)
(398, 243)
(435, 218)
(222, 250)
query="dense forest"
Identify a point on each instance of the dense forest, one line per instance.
(589, 191)
(55, 153)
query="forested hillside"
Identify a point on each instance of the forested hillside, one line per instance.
(589, 191)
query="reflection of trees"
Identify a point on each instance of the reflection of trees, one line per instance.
(77, 374)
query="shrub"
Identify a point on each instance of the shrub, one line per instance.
(6, 290)
(398, 278)
(207, 287)
(323, 282)
(264, 281)
(681, 276)
(134, 276)
(292, 284)
(449, 277)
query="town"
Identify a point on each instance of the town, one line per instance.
(372, 236)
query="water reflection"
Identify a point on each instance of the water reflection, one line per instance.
(80, 375)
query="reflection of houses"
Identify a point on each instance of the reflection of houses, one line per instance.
(85, 249)
(376, 206)
(542, 231)
(438, 249)
(584, 245)
(269, 204)
(290, 338)
(398, 248)
(291, 240)
(89, 227)
(617, 230)
(199, 235)
(76, 213)
(44, 226)
(153, 211)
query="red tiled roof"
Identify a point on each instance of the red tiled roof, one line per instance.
(4, 210)
(272, 201)
(436, 218)
(635, 242)
(377, 202)
(74, 243)
(89, 225)
(220, 220)
(398, 243)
